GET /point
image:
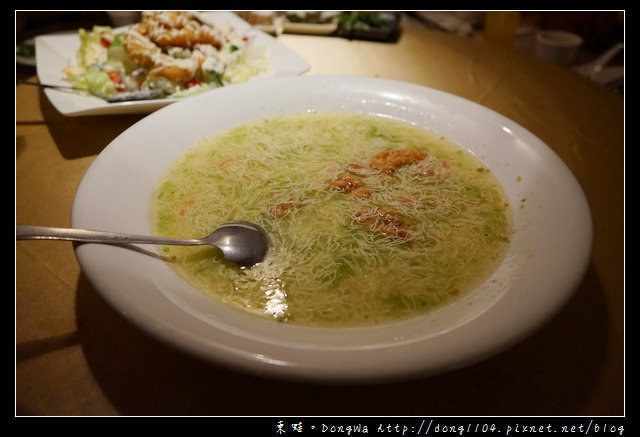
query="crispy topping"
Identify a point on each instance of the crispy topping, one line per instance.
(383, 220)
(389, 161)
(348, 183)
(281, 209)
(178, 29)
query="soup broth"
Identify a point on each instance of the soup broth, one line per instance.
(372, 220)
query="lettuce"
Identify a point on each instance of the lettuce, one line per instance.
(91, 51)
(192, 91)
(118, 58)
(96, 81)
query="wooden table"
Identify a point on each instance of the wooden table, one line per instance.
(75, 356)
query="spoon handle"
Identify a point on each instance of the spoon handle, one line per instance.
(29, 232)
(149, 94)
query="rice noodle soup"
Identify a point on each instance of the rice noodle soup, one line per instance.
(372, 220)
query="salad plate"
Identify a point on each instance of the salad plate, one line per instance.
(544, 264)
(56, 52)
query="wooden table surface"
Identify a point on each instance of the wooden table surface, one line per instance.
(76, 356)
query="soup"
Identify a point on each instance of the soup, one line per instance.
(372, 220)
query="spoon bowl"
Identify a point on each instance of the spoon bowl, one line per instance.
(242, 243)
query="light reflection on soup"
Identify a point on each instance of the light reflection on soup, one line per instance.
(372, 220)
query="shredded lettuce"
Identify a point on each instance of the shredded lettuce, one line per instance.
(246, 64)
(117, 59)
(193, 90)
(96, 81)
(91, 51)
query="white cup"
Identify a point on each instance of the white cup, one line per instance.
(557, 46)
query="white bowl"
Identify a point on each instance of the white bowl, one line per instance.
(546, 259)
(557, 46)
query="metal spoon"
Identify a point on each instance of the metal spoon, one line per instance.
(129, 96)
(243, 243)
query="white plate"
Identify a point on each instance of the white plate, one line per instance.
(545, 262)
(56, 52)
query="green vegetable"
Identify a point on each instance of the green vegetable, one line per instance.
(191, 91)
(118, 58)
(91, 51)
(361, 20)
(96, 81)
(27, 50)
(118, 40)
(213, 77)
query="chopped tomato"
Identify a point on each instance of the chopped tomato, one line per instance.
(105, 42)
(114, 76)
(191, 83)
(116, 80)
(182, 211)
(224, 163)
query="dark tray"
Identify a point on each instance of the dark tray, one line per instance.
(372, 26)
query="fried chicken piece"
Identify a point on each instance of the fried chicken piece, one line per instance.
(178, 29)
(140, 49)
(178, 70)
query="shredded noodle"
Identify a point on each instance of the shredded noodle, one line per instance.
(430, 230)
